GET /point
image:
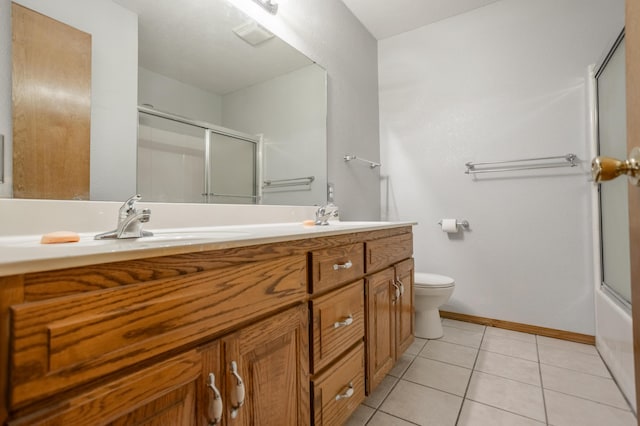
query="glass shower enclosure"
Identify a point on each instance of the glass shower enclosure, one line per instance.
(190, 161)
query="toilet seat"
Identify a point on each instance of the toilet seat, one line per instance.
(426, 280)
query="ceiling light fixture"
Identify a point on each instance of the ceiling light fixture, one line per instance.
(269, 5)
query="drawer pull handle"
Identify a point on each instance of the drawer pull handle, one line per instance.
(347, 321)
(346, 265)
(216, 406)
(397, 292)
(239, 394)
(348, 393)
(401, 287)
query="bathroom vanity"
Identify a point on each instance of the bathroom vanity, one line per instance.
(270, 327)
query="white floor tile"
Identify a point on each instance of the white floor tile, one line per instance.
(380, 393)
(401, 365)
(567, 410)
(572, 360)
(384, 419)
(565, 344)
(462, 337)
(361, 416)
(476, 414)
(463, 325)
(416, 346)
(509, 395)
(508, 367)
(595, 388)
(510, 334)
(422, 405)
(510, 347)
(464, 356)
(438, 375)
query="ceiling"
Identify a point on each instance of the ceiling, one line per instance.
(192, 41)
(386, 18)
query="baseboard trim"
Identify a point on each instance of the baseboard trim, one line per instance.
(525, 328)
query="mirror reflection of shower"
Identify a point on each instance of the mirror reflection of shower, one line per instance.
(181, 160)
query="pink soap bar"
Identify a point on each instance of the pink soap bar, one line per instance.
(60, 237)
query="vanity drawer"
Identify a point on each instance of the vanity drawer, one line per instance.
(387, 251)
(62, 342)
(337, 323)
(335, 266)
(338, 392)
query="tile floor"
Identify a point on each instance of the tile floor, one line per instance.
(485, 376)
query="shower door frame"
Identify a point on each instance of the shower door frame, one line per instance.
(210, 129)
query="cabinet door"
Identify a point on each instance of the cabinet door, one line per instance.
(381, 298)
(404, 306)
(161, 394)
(271, 358)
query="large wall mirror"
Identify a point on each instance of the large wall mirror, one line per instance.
(193, 101)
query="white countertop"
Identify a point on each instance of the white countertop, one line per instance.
(24, 254)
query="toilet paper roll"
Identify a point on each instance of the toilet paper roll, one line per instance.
(449, 225)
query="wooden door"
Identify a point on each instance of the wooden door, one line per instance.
(51, 97)
(380, 329)
(404, 307)
(272, 361)
(160, 394)
(632, 40)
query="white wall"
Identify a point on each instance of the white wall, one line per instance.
(114, 63)
(176, 97)
(328, 33)
(505, 81)
(289, 111)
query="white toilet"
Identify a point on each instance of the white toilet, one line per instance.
(430, 291)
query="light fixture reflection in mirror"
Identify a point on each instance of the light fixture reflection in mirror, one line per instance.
(268, 5)
(191, 64)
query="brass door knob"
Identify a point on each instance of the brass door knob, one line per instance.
(607, 168)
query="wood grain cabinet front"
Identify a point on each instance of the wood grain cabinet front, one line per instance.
(389, 295)
(335, 266)
(253, 376)
(266, 371)
(337, 323)
(161, 394)
(339, 390)
(384, 252)
(62, 342)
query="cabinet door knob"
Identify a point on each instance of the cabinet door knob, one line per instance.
(348, 264)
(347, 321)
(397, 292)
(216, 405)
(347, 394)
(238, 398)
(401, 287)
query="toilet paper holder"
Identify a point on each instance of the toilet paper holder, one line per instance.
(461, 223)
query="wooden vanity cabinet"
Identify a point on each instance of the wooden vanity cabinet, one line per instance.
(138, 341)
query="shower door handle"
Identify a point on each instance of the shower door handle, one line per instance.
(607, 168)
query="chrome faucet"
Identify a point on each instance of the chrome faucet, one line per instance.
(130, 222)
(326, 212)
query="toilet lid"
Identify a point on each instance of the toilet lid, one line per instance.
(432, 280)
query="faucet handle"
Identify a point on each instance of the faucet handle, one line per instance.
(128, 207)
